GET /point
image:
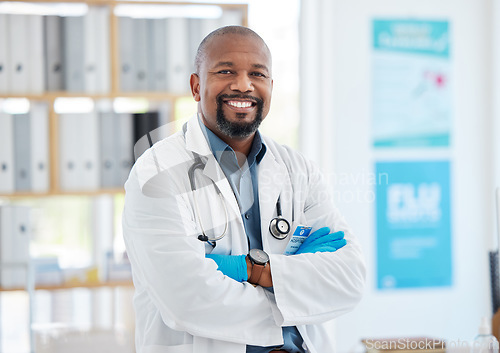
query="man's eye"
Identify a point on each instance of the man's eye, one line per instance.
(258, 74)
(224, 72)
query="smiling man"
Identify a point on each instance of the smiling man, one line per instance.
(233, 87)
(212, 213)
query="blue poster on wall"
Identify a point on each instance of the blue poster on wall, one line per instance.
(411, 83)
(413, 224)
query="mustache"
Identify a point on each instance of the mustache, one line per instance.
(256, 100)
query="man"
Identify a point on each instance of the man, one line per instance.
(199, 201)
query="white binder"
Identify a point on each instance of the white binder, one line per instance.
(108, 138)
(68, 152)
(7, 272)
(126, 146)
(79, 152)
(103, 50)
(18, 49)
(36, 60)
(39, 147)
(141, 54)
(231, 17)
(178, 55)
(74, 54)
(208, 25)
(22, 152)
(54, 69)
(88, 140)
(4, 55)
(15, 229)
(6, 154)
(90, 52)
(157, 53)
(127, 62)
(195, 37)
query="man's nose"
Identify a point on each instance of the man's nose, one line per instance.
(242, 83)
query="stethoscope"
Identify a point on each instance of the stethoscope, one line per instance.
(279, 227)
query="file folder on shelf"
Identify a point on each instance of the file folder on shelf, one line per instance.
(178, 55)
(91, 31)
(96, 56)
(54, 66)
(74, 54)
(89, 151)
(79, 152)
(15, 229)
(103, 48)
(69, 133)
(143, 124)
(18, 49)
(127, 61)
(109, 150)
(22, 152)
(39, 147)
(4, 55)
(141, 54)
(208, 25)
(195, 37)
(231, 17)
(126, 146)
(157, 54)
(36, 61)
(7, 185)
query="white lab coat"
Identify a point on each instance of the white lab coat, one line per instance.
(182, 303)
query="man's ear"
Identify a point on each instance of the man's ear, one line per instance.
(194, 82)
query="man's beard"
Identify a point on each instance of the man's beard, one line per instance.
(238, 129)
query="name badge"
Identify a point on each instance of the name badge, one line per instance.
(299, 235)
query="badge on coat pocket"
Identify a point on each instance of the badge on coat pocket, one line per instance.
(299, 235)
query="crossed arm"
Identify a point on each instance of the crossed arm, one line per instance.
(239, 267)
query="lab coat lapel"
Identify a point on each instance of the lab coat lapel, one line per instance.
(272, 177)
(214, 172)
(197, 143)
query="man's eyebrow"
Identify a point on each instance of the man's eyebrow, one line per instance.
(261, 66)
(231, 64)
(224, 63)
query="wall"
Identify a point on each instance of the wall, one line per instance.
(336, 99)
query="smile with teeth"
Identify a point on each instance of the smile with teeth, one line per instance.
(239, 104)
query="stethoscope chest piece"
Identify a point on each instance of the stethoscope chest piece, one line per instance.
(279, 228)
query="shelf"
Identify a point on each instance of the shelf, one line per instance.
(53, 95)
(65, 193)
(111, 284)
(150, 2)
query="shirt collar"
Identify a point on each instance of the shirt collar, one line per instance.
(257, 151)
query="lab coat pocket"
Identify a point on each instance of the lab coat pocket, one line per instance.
(181, 348)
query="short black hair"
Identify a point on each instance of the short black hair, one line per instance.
(239, 30)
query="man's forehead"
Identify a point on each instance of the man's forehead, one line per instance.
(222, 48)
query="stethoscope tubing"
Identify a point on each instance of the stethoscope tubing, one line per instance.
(275, 232)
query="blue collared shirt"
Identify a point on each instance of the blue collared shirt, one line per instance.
(244, 183)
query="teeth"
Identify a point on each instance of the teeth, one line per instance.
(239, 104)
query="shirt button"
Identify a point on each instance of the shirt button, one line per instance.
(247, 216)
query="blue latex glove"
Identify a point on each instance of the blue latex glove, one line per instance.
(232, 266)
(322, 241)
